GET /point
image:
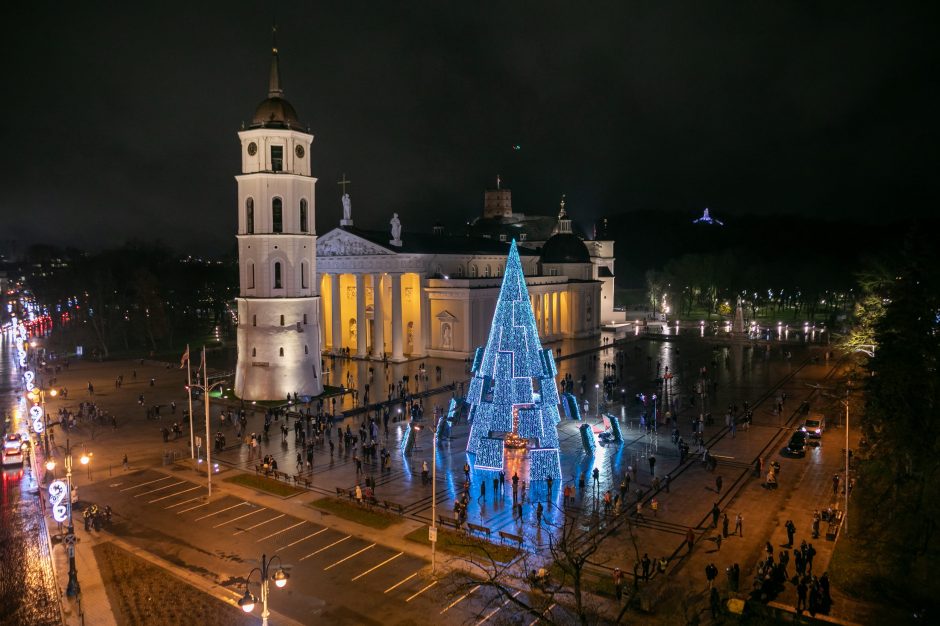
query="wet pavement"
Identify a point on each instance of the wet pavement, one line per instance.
(28, 591)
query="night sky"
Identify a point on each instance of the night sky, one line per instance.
(120, 122)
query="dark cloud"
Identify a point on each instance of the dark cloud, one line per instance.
(120, 122)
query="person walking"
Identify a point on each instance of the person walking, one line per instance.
(718, 483)
(689, 539)
(652, 462)
(739, 525)
(646, 564)
(618, 583)
(835, 485)
(724, 525)
(791, 531)
(711, 572)
(715, 513)
(515, 486)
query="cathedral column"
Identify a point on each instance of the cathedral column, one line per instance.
(397, 353)
(550, 296)
(425, 315)
(362, 324)
(378, 318)
(418, 342)
(336, 314)
(556, 308)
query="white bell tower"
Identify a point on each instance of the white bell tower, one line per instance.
(278, 303)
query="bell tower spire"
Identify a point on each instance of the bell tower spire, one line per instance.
(274, 81)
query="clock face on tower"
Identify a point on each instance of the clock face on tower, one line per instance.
(252, 149)
(299, 151)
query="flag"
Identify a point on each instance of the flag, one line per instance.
(184, 358)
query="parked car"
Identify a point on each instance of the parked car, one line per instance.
(814, 426)
(797, 444)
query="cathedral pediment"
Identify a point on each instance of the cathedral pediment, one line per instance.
(342, 243)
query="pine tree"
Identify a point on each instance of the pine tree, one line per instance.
(512, 395)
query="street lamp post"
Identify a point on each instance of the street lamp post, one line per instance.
(597, 394)
(845, 513)
(279, 576)
(73, 588)
(433, 531)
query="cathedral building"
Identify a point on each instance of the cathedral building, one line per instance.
(403, 294)
(278, 304)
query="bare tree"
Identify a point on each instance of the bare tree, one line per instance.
(573, 545)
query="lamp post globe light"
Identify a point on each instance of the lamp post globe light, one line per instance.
(279, 576)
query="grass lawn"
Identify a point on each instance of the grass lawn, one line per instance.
(143, 594)
(460, 544)
(263, 483)
(356, 513)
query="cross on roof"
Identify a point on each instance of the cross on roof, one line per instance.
(343, 181)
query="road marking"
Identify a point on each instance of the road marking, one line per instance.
(147, 483)
(400, 582)
(459, 600)
(294, 543)
(173, 495)
(498, 609)
(159, 489)
(192, 508)
(329, 567)
(324, 548)
(548, 610)
(245, 530)
(372, 569)
(281, 531)
(173, 506)
(235, 519)
(217, 512)
(415, 595)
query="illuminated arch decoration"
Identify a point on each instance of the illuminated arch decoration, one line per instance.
(513, 397)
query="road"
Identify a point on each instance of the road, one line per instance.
(28, 592)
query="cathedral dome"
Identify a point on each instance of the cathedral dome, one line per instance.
(275, 112)
(565, 248)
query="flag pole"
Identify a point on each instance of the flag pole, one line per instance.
(205, 392)
(189, 389)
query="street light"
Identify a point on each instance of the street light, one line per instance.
(279, 576)
(597, 393)
(73, 587)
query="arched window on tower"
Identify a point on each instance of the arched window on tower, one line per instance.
(282, 351)
(473, 271)
(277, 275)
(486, 271)
(277, 216)
(251, 274)
(303, 215)
(460, 271)
(254, 352)
(282, 320)
(250, 215)
(305, 350)
(254, 320)
(303, 275)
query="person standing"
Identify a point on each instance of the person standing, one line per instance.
(801, 596)
(652, 462)
(724, 525)
(646, 563)
(739, 525)
(711, 572)
(689, 539)
(718, 483)
(618, 583)
(715, 513)
(791, 531)
(515, 486)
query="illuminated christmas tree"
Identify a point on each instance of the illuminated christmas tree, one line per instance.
(512, 396)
